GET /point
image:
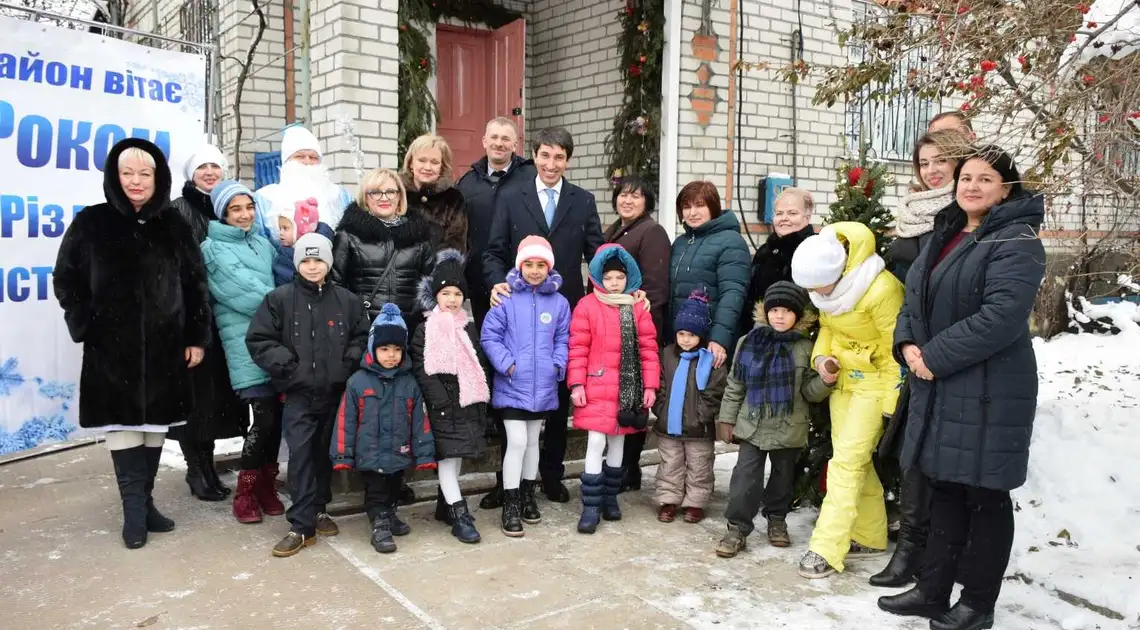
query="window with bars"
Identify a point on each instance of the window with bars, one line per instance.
(196, 21)
(887, 118)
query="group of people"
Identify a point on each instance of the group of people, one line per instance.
(340, 323)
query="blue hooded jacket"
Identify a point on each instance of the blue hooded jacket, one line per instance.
(283, 268)
(380, 425)
(239, 273)
(531, 331)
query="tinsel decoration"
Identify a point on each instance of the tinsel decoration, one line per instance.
(634, 145)
(417, 109)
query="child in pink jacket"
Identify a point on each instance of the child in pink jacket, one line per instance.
(613, 375)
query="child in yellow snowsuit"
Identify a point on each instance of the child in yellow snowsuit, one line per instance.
(858, 302)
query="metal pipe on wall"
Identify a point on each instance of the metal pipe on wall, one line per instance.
(306, 74)
(290, 67)
(733, 43)
(670, 111)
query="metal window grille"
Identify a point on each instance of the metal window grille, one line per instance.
(196, 21)
(887, 118)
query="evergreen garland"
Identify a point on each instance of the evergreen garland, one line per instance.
(634, 146)
(418, 111)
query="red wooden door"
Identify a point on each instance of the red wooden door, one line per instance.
(508, 60)
(463, 92)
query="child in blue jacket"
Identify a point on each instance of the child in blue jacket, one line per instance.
(380, 427)
(290, 228)
(527, 339)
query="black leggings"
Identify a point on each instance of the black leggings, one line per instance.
(263, 441)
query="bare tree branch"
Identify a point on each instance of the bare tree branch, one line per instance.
(243, 74)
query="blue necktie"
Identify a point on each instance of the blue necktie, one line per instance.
(549, 209)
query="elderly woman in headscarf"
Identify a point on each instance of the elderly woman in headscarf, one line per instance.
(130, 280)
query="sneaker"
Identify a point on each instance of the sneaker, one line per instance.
(667, 513)
(326, 526)
(778, 532)
(731, 544)
(694, 515)
(292, 543)
(813, 566)
(857, 551)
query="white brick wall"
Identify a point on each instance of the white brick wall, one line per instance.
(575, 83)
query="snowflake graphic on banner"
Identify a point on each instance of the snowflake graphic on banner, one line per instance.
(10, 377)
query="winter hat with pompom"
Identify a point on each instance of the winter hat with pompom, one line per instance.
(693, 315)
(819, 260)
(535, 247)
(388, 329)
(448, 272)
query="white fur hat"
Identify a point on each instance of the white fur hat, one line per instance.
(819, 260)
(297, 138)
(206, 154)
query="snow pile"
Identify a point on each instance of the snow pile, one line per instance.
(1077, 514)
(1117, 41)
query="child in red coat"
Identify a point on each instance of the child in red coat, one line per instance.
(613, 373)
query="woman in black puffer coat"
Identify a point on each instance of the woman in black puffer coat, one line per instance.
(216, 411)
(964, 333)
(382, 249)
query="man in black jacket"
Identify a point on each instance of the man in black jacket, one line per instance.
(497, 175)
(567, 216)
(309, 336)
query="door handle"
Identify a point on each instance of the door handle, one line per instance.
(516, 111)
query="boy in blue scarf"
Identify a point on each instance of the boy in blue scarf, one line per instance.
(686, 410)
(765, 410)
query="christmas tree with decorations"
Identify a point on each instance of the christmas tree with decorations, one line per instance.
(859, 197)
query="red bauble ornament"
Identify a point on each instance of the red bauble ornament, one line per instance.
(635, 70)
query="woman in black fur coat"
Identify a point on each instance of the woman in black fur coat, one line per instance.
(216, 411)
(130, 280)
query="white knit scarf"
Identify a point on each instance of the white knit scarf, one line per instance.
(850, 289)
(916, 214)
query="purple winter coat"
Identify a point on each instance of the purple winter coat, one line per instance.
(531, 331)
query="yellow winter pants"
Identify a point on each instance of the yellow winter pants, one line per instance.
(853, 508)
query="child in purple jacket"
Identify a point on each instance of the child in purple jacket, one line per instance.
(526, 339)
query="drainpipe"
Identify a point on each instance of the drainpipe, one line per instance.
(306, 78)
(290, 67)
(732, 87)
(670, 113)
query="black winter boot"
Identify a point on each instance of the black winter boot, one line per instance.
(493, 500)
(155, 521)
(463, 527)
(962, 617)
(914, 603)
(132, 473)
(210, 471)
(195, 475)
(611, 510)
(398, 527)
(407, 495)
(512, 517)
(591, 503)
(904, 563)
(529, 508)
(631, 481)
(442, 510)
(382, 540)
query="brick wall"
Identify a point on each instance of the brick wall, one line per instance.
(574, 82)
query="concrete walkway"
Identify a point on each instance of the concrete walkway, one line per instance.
(64, 566)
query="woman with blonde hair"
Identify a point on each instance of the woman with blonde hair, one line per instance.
(383, 247)
(431, 190)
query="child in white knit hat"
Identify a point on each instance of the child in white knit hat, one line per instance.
(858, 302)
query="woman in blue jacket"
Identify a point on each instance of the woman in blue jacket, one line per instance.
(711, 255)
(239, 269)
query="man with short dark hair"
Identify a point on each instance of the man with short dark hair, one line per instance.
(567, 216)
(953, 120)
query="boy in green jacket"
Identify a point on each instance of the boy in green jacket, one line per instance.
(765, 410)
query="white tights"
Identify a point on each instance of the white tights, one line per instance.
(122, 440)
(596, 443)
(521, 458)
(448, 470)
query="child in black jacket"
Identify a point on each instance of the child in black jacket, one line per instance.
(309, 336)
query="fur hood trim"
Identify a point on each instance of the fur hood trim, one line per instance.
(425, 297)
(367, 227)
(803, 324)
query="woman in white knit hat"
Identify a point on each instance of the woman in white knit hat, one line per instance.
(217, 412)
(858, 302)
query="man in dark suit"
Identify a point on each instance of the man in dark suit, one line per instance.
(498, 174)
(567, 216)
